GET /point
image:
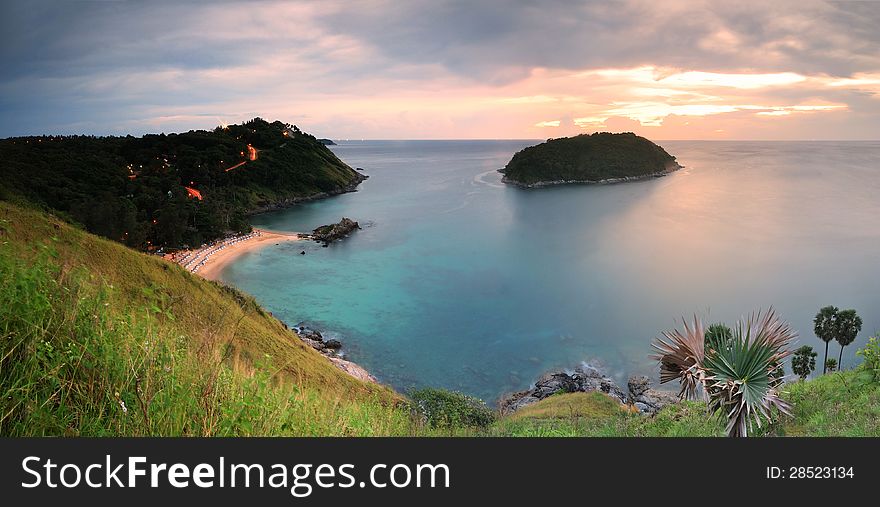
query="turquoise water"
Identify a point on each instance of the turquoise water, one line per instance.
(459, 281)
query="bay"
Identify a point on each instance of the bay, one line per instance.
(459, 281)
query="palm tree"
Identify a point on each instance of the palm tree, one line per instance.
(824, 326)
(804, 362)
(741, 380)
(848, 326)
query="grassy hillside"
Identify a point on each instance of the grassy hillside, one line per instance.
(588, 158)
(90, 326)
(171, 190)
(99, 339)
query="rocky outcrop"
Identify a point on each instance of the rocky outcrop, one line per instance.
(646, 399)
(585, 379)
(327, 234)
(313, 338)
(332, 349)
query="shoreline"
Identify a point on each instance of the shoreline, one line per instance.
(293, 201)
(208, 262)
(608, 181)
(211, 261)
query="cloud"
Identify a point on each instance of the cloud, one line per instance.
(378, 68)
(496, 39)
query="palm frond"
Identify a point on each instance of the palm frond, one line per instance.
(681, 355)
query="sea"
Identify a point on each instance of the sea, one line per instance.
(459, 281)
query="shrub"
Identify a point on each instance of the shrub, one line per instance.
(450, 409)
(871, 356)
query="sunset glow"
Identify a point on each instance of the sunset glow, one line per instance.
(754, 71)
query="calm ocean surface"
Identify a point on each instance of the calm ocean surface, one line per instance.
(461, 282)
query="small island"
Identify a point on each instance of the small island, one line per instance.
(602, 157)
(326, 142)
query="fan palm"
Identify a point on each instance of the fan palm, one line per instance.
(741, 379)
(681, 355)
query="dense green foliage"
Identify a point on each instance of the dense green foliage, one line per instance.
(133, 190)
(588, 158)
(803, 362)
(871, 356)
(718, 336)
(450, 409)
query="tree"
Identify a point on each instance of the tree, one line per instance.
(742, 379)
(803, 362)
(824, 326)
(848, 326)
(830, 364)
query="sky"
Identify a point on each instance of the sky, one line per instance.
(377, 69)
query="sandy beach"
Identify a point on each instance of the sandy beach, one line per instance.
(217, 260)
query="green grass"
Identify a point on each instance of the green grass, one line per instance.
(597, 415)
(845, 404)
(89, 327)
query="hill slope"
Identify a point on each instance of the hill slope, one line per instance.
(90, 326)
(598, 158)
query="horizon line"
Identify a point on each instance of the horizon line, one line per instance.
(541, 139)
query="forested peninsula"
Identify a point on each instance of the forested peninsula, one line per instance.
(172, 190)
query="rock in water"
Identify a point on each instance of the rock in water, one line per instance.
(327, 234)
(332, 344)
